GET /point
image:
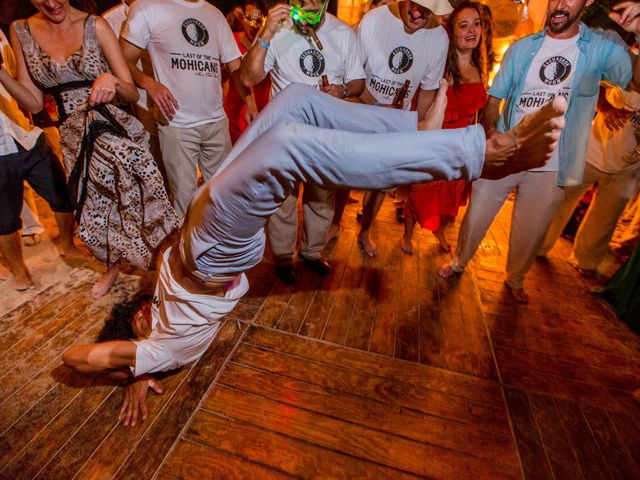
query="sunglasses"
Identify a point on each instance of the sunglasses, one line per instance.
(299, 14)
(254, 19)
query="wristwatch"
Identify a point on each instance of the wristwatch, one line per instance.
(346, 93)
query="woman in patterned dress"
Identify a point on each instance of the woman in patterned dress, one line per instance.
(121, 204)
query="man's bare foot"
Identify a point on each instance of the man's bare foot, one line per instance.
(529, 144)
(102, 286)
(4, 274)
(435, 115)
(447, 271)
(519, 294)
(23, 282)
(406, 245)
(444, 245)
(71, 251)
(333, 232)
(367, 245)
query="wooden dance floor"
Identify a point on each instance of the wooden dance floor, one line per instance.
(381, 370)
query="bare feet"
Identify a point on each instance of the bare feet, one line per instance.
(31, 239)
(102, 286)
(406, 245)
(4, 274)
(444, 245)
(519, 294)
(71, 251)
(367, 245)
(529, 144)
(447, 271)
(435, 115)
(333, 232)
(23, 282)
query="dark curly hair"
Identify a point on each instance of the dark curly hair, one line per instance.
(118, 325)
(478, 56)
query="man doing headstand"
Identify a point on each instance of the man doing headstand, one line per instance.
(302, 135)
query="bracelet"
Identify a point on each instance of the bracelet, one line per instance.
(376, 103)
(346, 93)
(263, 44)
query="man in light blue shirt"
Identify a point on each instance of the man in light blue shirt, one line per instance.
(569, 59)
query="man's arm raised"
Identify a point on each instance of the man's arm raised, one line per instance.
(252, 69)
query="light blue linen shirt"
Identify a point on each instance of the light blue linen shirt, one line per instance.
(603, 56)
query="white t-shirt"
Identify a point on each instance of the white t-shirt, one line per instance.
(550, 74)
(294, 58)
(116, 17)
(183, 324)
(616, 151)
(187, 42)
(392, 55)
(15, 128)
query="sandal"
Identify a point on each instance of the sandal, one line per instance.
(31, 239)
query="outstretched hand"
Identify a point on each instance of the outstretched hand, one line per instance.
(134, 402)
(627, 15)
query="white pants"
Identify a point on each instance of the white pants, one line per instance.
(186, 149)
(304, 135)
(537, 198)
(592, 240)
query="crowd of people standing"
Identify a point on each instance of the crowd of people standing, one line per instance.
(159, 90)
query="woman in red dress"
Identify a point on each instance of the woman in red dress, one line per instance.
(435, 204)
(234, 104)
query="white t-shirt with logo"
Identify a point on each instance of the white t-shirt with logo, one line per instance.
(116, 17)
(295, 58)
(183, 324)
(616, 151)
(187, 42)
(550, 74)
(391, 56)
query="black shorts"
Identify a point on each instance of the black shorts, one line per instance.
(41, 168)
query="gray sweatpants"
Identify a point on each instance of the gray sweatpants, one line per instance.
(304, 135)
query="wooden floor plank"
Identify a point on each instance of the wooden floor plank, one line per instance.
(619, 462)
(46, 444)
(294, 457)
(195, 462)
(337, 325)
(498, 448)
(408, 318)
(530, 446)
(489, 417)
(431, 329)
(296, 310)
(456, 354)
(629, 431)
(98, 448)
(421, 376)
(322, 303)
(350, 439)
(582, 440)
(383, 335)
(364, 312)
(562, 458)
(150, 452)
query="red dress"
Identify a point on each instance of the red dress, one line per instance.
(235, 107)
(428, 201)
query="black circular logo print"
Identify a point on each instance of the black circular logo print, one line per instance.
(400, 60)
(555, 70)
(195, 32)
(312, 63)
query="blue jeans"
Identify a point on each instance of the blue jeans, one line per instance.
(304, 135)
